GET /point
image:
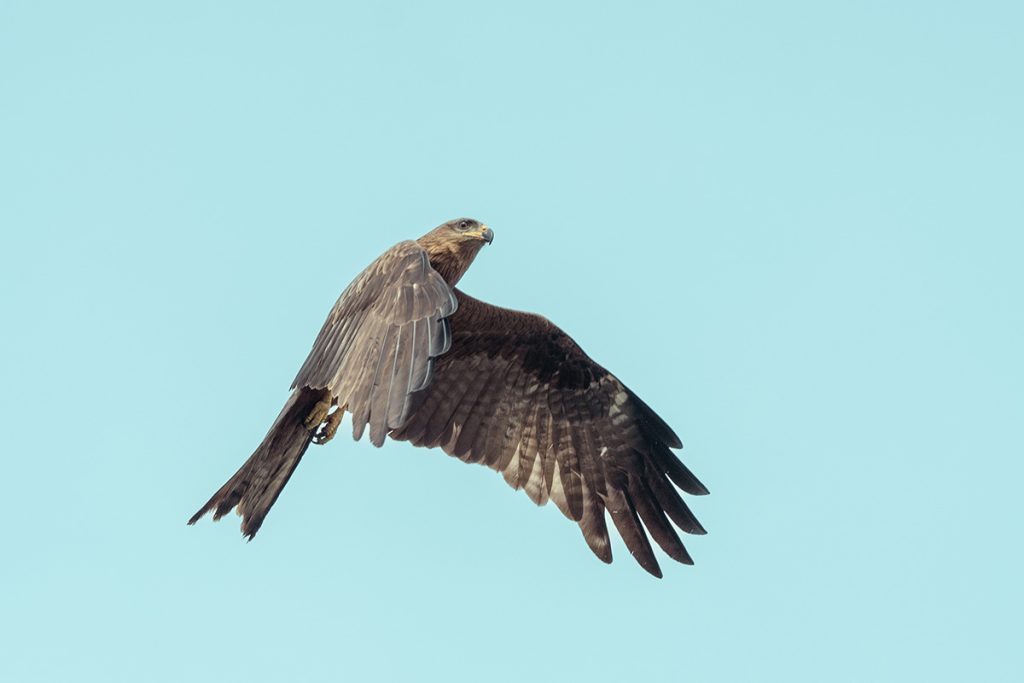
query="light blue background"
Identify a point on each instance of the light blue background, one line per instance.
(794, 228)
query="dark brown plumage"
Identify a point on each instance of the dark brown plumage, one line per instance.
(410, 356)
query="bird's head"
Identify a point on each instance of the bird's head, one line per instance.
(463, 229)
(452, 246)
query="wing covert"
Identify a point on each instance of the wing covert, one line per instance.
(517, 394)
(380, 340)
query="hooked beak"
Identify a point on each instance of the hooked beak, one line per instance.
(484, 233)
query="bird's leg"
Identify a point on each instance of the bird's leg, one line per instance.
(319, 412)
(329, 428)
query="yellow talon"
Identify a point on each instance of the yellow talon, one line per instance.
(329, 428)
(319, 413)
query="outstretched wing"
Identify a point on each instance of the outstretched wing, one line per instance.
(381, 338)
(517, 394)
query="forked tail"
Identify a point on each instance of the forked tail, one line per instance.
(256, 485)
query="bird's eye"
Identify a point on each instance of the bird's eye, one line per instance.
(463, 225)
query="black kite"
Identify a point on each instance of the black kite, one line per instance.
(411, 357)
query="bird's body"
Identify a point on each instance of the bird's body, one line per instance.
(410, 356)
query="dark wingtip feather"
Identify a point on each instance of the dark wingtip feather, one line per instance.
(696, 487)
(678, 472)
(671, 502)
(653, 517)
(655, 426)
(625, 518)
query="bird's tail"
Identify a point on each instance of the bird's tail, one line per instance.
(256, 485)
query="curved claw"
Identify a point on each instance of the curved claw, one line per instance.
(326, 431)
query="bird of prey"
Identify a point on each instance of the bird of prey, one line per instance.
(411, 357)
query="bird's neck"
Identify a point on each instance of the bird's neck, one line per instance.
(451, 261)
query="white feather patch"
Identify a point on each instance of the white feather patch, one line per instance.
(535, 484)
(558, 491)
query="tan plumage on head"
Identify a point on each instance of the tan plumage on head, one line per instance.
(452, 246)
(411, 357)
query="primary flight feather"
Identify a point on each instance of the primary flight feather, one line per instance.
(411, 357)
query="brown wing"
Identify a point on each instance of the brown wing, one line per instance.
(517, 394)
(381, 338)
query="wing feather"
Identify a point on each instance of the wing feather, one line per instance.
(380, 341)
(655, 521)
(515, 393)
(625, 519)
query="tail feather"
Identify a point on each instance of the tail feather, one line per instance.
(254, 488)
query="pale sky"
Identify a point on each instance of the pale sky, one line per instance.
(793, 228)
